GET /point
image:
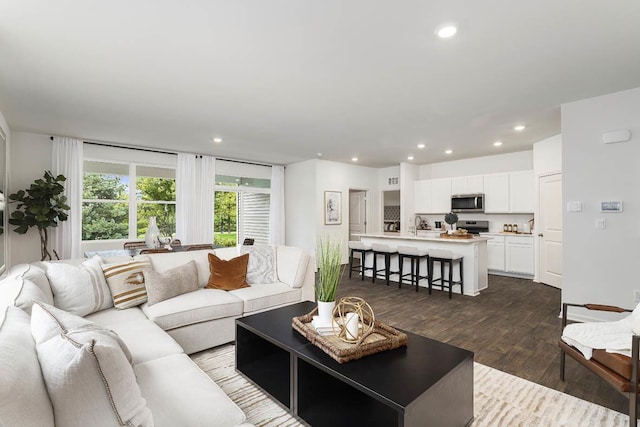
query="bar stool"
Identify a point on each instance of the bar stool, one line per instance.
(387, 251)
(416, 255)
(449, 258)
(363, 250)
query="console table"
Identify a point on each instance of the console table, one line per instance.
(425, 383)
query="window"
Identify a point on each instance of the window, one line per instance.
(119, 198)
(241, 210)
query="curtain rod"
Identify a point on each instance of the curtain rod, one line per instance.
(173, 153)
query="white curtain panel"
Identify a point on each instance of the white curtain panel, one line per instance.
(67, 160)
(276, 208)
(186, 199)
(207, 188)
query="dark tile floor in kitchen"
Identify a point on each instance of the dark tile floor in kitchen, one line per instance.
(512, 326)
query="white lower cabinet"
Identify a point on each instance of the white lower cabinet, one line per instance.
(495, 253)
(510, 254)
(519, 254)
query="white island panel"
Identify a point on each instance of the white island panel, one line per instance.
(473, 250)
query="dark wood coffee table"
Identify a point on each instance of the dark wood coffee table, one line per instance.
(426, 383)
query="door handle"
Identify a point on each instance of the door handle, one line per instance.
(540, 235)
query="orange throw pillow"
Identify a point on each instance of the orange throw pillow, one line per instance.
(228, 275)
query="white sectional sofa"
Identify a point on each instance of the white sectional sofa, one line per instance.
(158, 336)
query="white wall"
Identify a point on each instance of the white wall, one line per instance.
(301, 207)
(5, 248)
(305, 184)
(547, 156)
(30, 157)
(522, 160)
(600, 266)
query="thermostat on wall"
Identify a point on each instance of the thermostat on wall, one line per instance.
(610, 206)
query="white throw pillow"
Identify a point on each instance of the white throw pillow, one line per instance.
(79, 289)
(23, 395)
(21, 293)
(87, 371)
(261, 268)
(126, 282)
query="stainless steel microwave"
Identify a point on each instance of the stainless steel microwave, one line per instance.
(467, 203)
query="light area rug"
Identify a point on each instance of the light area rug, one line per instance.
(500, 399)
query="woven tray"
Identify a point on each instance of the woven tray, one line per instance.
(380, 338)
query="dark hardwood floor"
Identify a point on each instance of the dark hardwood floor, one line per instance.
(512, 326)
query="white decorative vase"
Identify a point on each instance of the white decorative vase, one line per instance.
(152, 234)
(325, 311)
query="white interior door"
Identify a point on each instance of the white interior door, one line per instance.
(357, 213)
(549, 225)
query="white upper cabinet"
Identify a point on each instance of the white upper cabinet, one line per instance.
(422, 196)
(441, 195)
(496, 193)
(467, 184)
(521, 191)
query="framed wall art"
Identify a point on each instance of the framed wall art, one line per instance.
(332, 207)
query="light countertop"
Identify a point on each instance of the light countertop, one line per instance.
(496, 233)
(404, 236)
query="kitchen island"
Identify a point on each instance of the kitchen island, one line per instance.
(473, 250)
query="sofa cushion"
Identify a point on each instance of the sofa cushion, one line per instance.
(126, 282)
(292, 265)
(262, 264)
(170, 283)
(166, 261)
(87, 372)
(260, 297)
(144, 339)
(79, 289)
(228, 274)
(23, 395)
(180, 394)
(36, 275)
(21, 293)
(193, 307)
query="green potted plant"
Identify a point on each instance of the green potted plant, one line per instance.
(330, 269)
(451, 219)
(42, 205)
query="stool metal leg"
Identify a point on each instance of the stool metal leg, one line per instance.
(450, 278)
(400, 265)
(387, 265)
(430, 264)
(350, 263)
(461, 277)
(375, 268)
(417, 273)
(363, 258)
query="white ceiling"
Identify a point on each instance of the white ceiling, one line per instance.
(282, 80)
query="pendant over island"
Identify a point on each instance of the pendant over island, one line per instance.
(474, 251)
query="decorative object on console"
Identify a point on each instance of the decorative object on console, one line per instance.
(152, 234)
(42, 205)
(332, 207)
(451, 219)
(329, 273)
(354, 319)
(228, 275)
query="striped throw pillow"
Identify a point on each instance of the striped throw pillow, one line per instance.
(126, 282)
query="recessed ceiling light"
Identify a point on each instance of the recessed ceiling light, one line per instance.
(319, 154)
(354, 159)
(217, 140)
(446, 31)
(497, 143)
(448, 151)
(519, 128)
(410, 158)
(420, 146)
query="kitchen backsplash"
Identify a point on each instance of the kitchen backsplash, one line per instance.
(496, 221)
(392, 213)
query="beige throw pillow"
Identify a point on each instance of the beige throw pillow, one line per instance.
(171, 283)
(126, 282)
(79, 289)
(87, 371)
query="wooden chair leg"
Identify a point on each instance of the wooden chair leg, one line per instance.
(450, 278)
(400, 262)
(417, 272)
(363, 258)
(430, 268)
(375, 268)
(563, 358)
(350, 263)
(387, 267)
(461, 276)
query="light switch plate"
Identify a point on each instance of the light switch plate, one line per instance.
(574, 206)
(601, 223)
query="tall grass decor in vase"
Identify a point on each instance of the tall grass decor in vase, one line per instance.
(329, 272)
